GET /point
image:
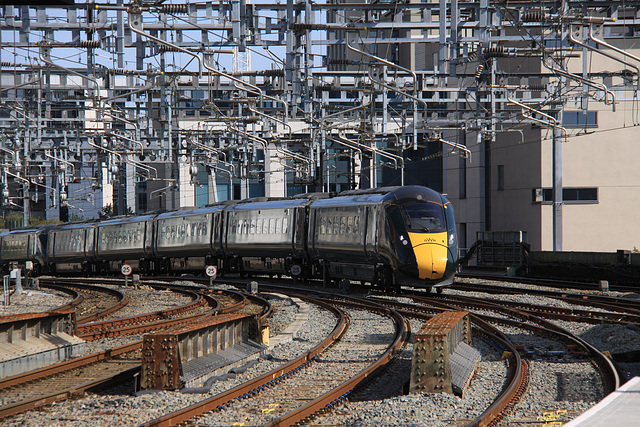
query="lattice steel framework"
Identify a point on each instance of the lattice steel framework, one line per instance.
(146, 106)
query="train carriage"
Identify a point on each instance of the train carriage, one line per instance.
(26, 248)
(263, 235)
(125, 240)
(189, 239)
(71, 248)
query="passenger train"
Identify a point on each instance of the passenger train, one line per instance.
(387, 236)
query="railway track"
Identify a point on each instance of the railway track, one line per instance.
(318, 379)
(511, 324)
(74, 377)
(67, 379)
(93, 302)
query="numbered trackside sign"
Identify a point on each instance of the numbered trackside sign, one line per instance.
(126, 269)
(296, 270)
(211, 270)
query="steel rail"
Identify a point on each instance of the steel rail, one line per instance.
(123, 300)
(562, 313)
(518, 369)
(339, 393)
(79, 390)
(600, 301)
(131, 327)
(264, 381)
(110, 328)
(602, 362)
(77, 299)
(69, 364)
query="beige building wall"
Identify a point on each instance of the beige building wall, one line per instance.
(606, 157)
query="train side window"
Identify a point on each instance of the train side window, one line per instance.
(252, 230)
(350, 225)
(329, 225)
(336, 225)
(285, 225)
(265, 226)
(259, 226)
(343, 225)
(356, 224)
(322, 228)
(272, 225)
(278, 226)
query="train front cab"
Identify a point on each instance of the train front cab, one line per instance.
(423, 227)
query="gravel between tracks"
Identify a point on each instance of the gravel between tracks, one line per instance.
(33, 301)
(555, 384)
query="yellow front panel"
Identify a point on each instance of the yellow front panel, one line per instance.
(431, 254)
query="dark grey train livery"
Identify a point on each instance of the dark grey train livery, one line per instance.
(387, 236)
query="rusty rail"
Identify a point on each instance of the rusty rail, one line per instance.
(264, 381)
(338, 394)
(136, 324)
(518, 370)
(69, 364)
(122, 299)
(602, 362)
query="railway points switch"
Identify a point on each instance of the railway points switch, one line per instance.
(443, 356)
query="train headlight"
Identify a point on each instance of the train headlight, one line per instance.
(452, 239)
(403, 240)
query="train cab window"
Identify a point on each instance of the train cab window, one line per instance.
(424, 217)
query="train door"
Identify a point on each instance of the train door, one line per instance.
(371, 232)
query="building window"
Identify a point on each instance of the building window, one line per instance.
(500, 177)
(580, 195)
(570, 195)
(580, 119)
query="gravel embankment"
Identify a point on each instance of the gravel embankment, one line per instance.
(558, 381)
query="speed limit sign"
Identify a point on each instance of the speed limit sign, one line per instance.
(296, 270)
(211, 271)
(126, 269)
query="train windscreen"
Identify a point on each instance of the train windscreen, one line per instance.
(424, 217)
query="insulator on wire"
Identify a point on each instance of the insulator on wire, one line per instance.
(89, 44)
(479, 71)
(538, 87)
(270, 73)
(342, 62)
(175, 8)
(304, 27)
(165, 48)
(495, 51)
(532, 16)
